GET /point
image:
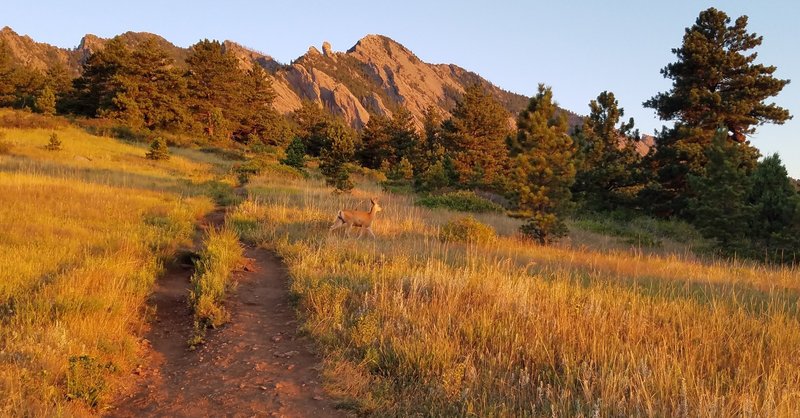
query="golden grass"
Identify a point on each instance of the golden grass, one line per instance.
(221, 254)
(414, 325)
(79, 250)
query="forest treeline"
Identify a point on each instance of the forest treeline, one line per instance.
(702, 169)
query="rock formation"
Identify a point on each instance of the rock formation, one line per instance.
(376, 76)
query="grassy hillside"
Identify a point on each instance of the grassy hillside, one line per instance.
(85, 232)
(415, 325)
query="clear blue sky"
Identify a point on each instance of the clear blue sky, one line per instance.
(580, 48)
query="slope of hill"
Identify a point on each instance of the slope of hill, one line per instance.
(375, 76)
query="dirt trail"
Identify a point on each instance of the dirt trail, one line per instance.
(256, 365)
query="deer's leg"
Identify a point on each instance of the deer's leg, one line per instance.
(349, 229)
(371, 233)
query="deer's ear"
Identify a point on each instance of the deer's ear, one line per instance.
(373, 200)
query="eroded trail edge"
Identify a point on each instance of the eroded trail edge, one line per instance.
(256, 365)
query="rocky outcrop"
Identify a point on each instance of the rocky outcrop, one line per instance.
(317, 86)
(376, 76)
(37, 55)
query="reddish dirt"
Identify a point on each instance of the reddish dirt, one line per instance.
(256, 365)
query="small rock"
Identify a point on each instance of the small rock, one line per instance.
(242, 385)
(290, 354)
(276, 338)
(290, 367)
(317, 398)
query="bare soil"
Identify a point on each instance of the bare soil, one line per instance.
(256, 365)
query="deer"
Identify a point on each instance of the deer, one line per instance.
(359, 218)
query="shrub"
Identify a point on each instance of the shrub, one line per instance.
(25, 120)
(54, 144)
(462, 200)
(295, 154)
(467, 229)
(158, 150)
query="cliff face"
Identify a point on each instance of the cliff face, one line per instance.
(376, 76)
(39, 56)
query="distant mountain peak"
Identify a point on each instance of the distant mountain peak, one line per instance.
(376, 76)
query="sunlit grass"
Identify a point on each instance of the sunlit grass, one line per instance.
(221, 254)
(79, 251)
(412, 324)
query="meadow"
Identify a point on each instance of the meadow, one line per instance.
(441, 315)
(85, 232)
(416, 323)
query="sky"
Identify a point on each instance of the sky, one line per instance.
(579, 48)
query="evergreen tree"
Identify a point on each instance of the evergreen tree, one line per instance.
(19, 85)
(475, 139)
(312, 123)
(719, 208)
(776, 212)
(46, 101)
(403, 136)
(96, 88)
(295, 154)
(149, 91)
(8, 91)
(54, 144)
(542, 166)
(428, 157)
(158, 150)
(335, 157)
(715, 81)
(609, 161)
(375, 142)
(259, 120)
(215, 85)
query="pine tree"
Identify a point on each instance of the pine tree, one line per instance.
(54, 144)
(96, 88)
(719, 208)
(46, 101)
(295, 154)
(19, 85)
(475, 139)
(215, 85)
(7, 76)
(259, 120)
(150, 91)
(158, 150)
(403, 136)
(606, 175)
(334, 158)
(542, 167)
(715, 81)
(312, 122)
(775, 228)
(375, 146)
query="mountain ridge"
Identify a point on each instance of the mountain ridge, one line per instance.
(376, 76)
